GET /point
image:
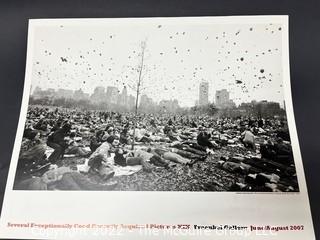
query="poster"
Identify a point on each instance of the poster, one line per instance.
(157, 127)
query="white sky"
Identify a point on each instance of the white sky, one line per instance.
(179, 57)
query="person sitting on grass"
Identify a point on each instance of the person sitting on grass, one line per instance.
(249, 139)
(56, 140)
(97, 140)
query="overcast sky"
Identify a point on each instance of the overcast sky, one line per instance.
(244, 59)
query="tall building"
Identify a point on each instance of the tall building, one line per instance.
(123, 97)
(98, 95)
(204, 93)
(131, 102)
(112, 95)
(223, 99)
(80, 95)
(146, 103)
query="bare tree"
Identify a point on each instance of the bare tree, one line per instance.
(138, 90)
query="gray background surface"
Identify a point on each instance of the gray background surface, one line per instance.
(304, 26)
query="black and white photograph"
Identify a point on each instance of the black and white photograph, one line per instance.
(156, 106)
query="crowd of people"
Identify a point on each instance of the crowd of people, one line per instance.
(64, 149)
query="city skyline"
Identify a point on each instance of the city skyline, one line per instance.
(242, 58)
(194, 104)
(110, 97)
(225, 101)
